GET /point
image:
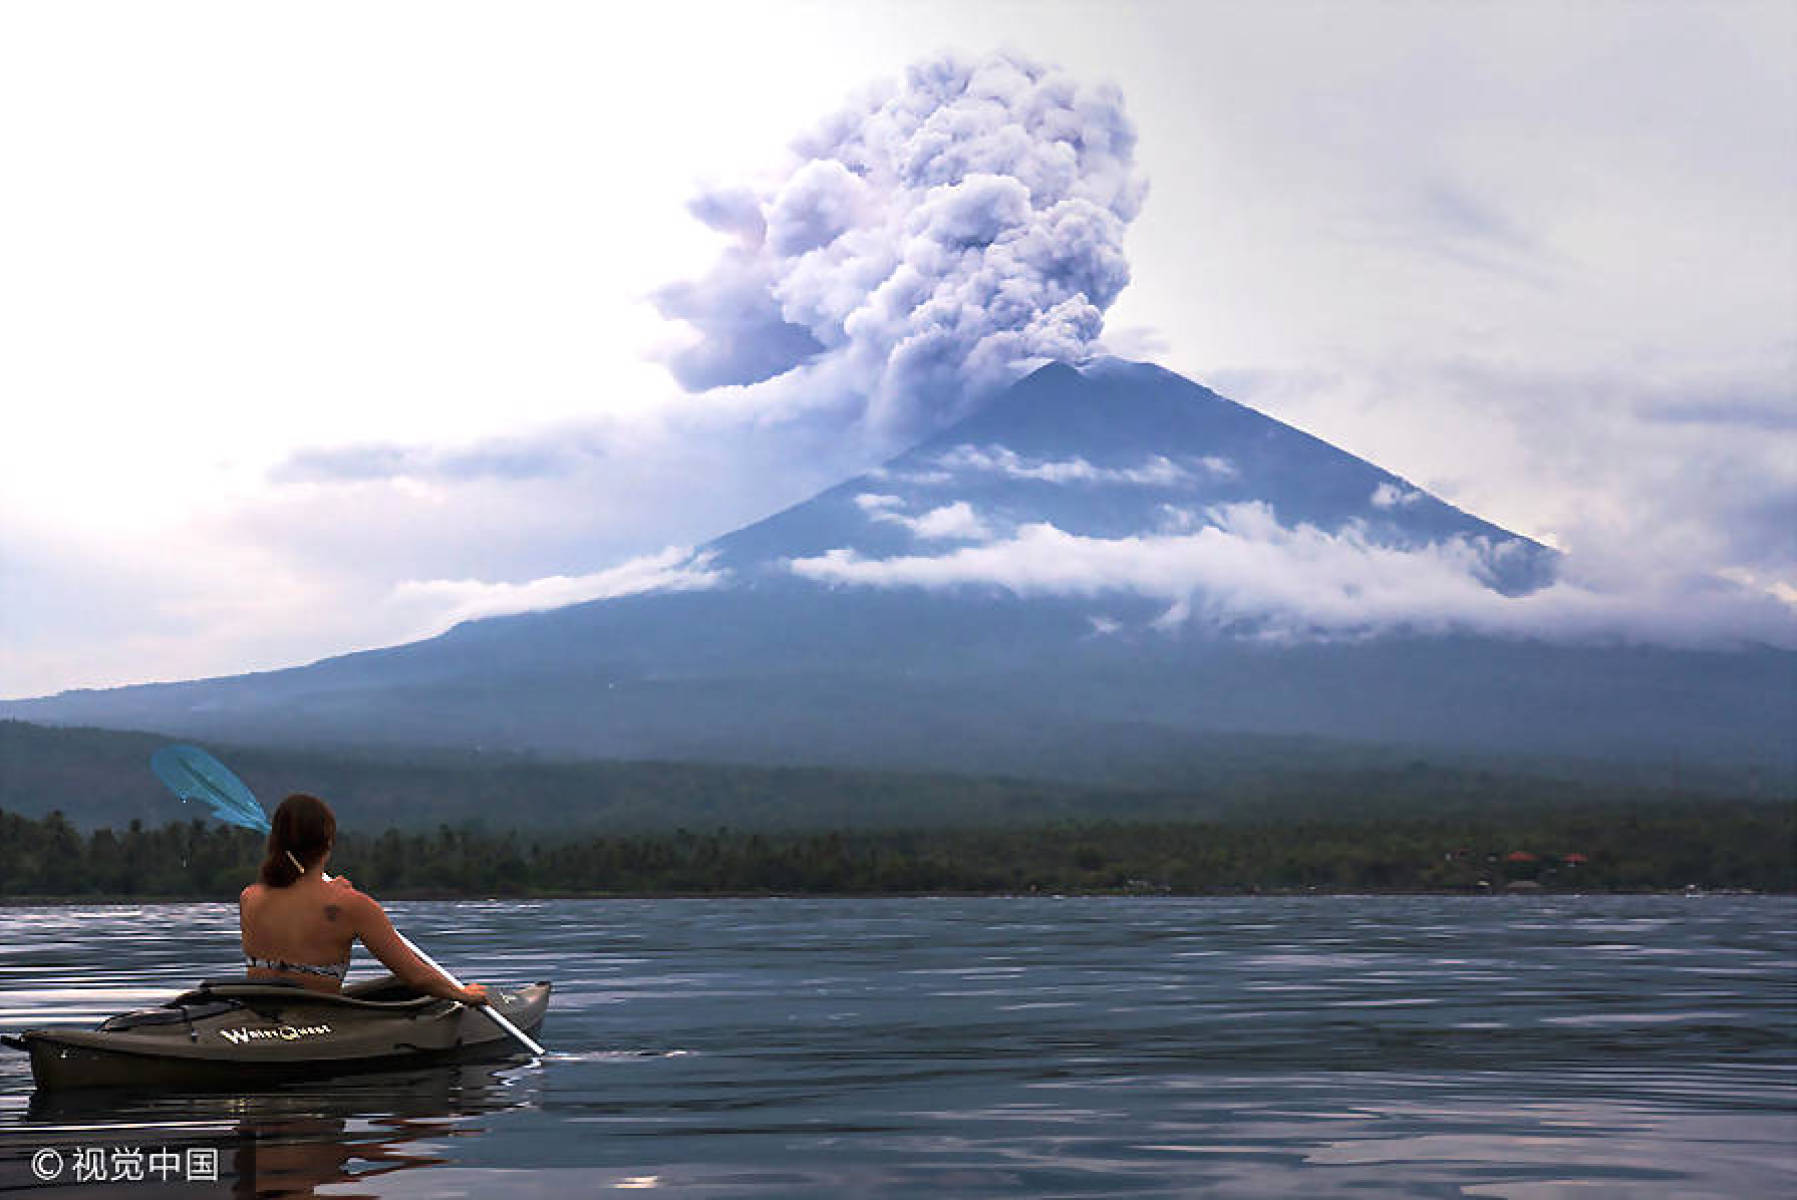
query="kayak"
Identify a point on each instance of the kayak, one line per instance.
(240, 1033)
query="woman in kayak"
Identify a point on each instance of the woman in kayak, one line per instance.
(298, 926)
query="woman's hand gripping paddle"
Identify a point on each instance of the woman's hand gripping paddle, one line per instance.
(193, 774)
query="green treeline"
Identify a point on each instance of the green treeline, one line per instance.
(1715, 844)
(99, 778)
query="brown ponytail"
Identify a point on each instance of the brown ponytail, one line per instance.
(303, 829)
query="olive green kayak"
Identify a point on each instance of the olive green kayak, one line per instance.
(245, 1033)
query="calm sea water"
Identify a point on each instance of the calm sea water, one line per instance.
(1429, 1046)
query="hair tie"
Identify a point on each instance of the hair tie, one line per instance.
(297, 865)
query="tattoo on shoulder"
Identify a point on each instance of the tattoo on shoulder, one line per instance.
(332, 912)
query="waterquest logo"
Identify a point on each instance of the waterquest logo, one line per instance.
(126, 1164)
(280, 1033)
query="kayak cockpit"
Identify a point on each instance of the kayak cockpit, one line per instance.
(384, 993)
(215, 997)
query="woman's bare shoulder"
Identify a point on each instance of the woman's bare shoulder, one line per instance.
(343, 896)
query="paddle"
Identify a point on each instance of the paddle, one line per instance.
(193, 774)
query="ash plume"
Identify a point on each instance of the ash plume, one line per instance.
(927, 244)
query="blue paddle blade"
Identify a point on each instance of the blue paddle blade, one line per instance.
(193, 774)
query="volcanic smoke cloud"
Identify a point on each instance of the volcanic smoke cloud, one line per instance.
(929, 244)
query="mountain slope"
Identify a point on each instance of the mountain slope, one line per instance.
(1074, 581)
(1106, 452)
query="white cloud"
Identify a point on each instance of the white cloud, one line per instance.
(928, 478)
(449, 601)
(1249, 573)
(1219, 467)
(1155, 471)
(949, 522)
(955, 521)
(877, 505)
(1173, 518)
(1390, 495)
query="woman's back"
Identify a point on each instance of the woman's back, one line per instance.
(303, 924)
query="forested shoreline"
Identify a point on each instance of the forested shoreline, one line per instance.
(1709, 845)
(100, 778)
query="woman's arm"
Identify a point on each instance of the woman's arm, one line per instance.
(243, 917)
(383, 941)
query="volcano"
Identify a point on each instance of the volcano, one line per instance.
(1103, 566)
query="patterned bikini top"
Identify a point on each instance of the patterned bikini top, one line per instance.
(334, 971)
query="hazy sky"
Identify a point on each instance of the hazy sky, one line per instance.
(322, 325)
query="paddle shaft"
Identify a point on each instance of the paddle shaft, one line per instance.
(493, 1014)
(498, 1018)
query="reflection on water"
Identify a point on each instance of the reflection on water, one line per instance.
(1499, 1046)
(292, 1141)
